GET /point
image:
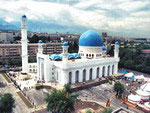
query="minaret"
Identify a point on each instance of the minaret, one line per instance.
(116, 50)
(65, 51)
(104, 51)
(24, 43)
(40, 47)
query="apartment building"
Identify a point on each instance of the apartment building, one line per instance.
(13, 51)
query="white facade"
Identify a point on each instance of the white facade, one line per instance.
(24, 43)
(88, 67)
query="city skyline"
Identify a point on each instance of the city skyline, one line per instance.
(121, 18)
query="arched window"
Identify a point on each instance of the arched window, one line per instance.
(70, 77)
(92, 55)
(103, 71)
(108, 71)
(77, 77)
(112, 69)
(84, 75)
(97, 73)
(91, 73)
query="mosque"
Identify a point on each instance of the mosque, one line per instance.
(90, 63)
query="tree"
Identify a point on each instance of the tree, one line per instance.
(89, 111)
(68, 88)
(60, 101)
(108, 110)
(7, 103)
(118, 88)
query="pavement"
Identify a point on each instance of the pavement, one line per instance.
(100, 94)
(10, 88)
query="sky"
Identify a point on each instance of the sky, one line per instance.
(117, 17)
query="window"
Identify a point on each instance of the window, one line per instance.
(84, 75)
(97, 72)
(108, 71)
(112, 69)
(103, 72)
(91, 73)
(77, 77)
(70, 77)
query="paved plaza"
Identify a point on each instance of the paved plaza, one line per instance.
(100, 94)
(9, 88)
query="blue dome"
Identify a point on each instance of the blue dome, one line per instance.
(76, 55)
(55, 57)
(24, 16)
(117, 43)
(65, 44)
(104, 48)
(90, 38)
(71, 56)
(40, 41)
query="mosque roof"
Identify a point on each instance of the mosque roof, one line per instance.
(55, 57)
(73, 55)
(90, 38)
(117, 43)
(24, 16)
(40, 41)
(65, 44)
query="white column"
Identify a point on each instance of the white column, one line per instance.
(106, 69)
(87, 74)
(24, 43)
(100, 71)
(110, 72)
(94, 73)
(73, 77)
(116, 68)
(80, 75)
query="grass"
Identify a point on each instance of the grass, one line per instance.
(6, 77)
(25, 100)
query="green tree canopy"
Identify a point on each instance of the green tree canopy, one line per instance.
(61, 101)
(118, 88)
(7, 103)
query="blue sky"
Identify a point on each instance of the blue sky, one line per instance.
(117, 17)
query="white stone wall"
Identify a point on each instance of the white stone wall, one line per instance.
(32, 67)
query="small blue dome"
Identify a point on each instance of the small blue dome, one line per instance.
(55, 57)
(65, 44)
(40, 41)
(76, 55)
(71, 56)
(104, 48)
(90, 38)
(24, 16)
(117, 43)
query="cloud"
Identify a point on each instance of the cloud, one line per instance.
(119, 17)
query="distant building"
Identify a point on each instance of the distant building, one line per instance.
(7, 37)
(146, 52)
(13, 51)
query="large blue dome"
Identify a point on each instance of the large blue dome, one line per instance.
(90, 38)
